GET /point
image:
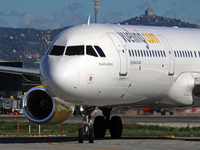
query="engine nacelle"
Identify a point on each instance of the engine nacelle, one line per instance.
(181, 90)
(40, 108)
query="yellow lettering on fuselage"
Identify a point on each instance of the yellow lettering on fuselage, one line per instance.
(151, 38)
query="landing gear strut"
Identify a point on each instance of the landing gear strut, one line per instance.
(101, 123)
(86, 131)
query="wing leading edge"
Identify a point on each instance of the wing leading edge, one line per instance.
(29, 74)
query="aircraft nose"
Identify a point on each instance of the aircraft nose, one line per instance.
(65, 73)
(63, 77)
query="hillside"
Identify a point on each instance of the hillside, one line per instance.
(154, 20)
(25, 45)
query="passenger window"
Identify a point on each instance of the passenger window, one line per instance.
(74, 50)
(150, 53)
(132, 53)
(57, 50)
(135, 53)
(161, 53)
(153, 53)
(141, 53)
(186, 54)
(99, 50)
(180, 53)
(175, 53)
(147, 53)
(144, 53)
(164, 53)
(183, 53)
(158, 53)
(90, 51)
(129, 52)
(138, 53)
(195, 54)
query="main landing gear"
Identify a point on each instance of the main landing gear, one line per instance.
(101, 123)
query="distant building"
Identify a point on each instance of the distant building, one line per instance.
(149, 11)
(10, 84)
(12, 87)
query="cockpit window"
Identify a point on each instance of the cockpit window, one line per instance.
(57, 50)
(99, 50)
(90, 51)
(75, 50)
(80, 50)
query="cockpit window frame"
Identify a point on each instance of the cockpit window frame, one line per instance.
(94, 54)
(75, 54)
(52, 53)
(99, 50)
(95, 50)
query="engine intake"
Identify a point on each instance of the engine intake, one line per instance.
(40, 108)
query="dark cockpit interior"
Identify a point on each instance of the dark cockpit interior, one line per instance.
(90, 50)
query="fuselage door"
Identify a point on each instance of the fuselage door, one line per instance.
(171, 56)
(122, 53)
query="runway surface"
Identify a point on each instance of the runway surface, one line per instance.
(134, 143)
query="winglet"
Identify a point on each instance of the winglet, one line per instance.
(88, 23)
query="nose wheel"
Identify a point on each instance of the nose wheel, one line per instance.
(86, 131)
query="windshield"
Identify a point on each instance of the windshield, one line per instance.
(89, 50)
(57, 50)
(75, 50)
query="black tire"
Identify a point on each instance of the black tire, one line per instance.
(163, 113)
(80, 135)
(171, 113)
(116, 127)
(99, 127)
(91, 135)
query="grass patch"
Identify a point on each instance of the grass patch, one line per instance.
(133, 129)
(10, 128)
(71, 129)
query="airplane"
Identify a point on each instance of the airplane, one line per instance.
(106, 66)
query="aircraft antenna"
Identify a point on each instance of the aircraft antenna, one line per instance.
(88, 23)
(96, 8)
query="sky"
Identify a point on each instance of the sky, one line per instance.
(54, 14)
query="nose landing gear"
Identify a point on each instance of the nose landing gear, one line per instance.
(86, 131)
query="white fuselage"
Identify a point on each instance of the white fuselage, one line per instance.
(140, 66)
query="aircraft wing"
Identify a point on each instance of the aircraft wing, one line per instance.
(29, 74)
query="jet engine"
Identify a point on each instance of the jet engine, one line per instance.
(40, 108)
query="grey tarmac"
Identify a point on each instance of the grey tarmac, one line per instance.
(125, 143)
